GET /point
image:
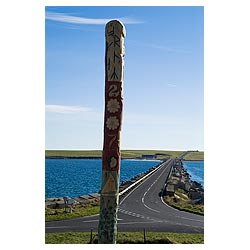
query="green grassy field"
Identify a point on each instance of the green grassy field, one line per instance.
(195, 156)
(126, 238)
(73, 153)
(138, 153)
(128, 154)
(79, 211)
(98, 153)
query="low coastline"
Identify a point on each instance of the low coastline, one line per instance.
(86, 199)
(74, 157)
(87, 205)
(134, 155)
(58, 202)
(122, 158)
(192, 160)
(125, 154)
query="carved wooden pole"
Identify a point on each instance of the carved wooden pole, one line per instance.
(111, 156)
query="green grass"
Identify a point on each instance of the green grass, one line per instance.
(183, 203)
(80, 211)
(138, 153)
(195, 156)
(126, 238)
(98, 153)
(73, 153)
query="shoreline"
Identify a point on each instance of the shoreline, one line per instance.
(125, 154)
(74, 157)
(192, 160)
(190, 173)
(125, 182)
(58, 202)
(180, 178)
(182, 193)
(125, 186)
(99, 157)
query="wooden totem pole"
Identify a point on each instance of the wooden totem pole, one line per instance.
(111, 156)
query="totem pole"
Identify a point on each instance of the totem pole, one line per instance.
(111, 156)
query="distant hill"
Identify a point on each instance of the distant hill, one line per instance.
(126, 154)
(197, 156)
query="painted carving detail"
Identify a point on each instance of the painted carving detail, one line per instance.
(115, 34)
(114, 64)
(112, 123)
(113, 106)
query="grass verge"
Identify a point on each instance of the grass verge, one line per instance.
(126, 238)
(80, 211)
(182, 203)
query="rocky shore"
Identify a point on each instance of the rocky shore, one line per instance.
(179, 179)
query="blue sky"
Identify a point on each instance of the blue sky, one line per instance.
(163, 81)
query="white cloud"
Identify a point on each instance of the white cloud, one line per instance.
(62, 17)
(171, 85)
(65, 109)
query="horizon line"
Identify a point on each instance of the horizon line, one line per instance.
(141, 149)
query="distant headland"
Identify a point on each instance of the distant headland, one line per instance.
(189, 155)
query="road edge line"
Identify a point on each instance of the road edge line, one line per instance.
(141, 180)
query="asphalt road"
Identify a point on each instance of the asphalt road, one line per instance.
(142, 208)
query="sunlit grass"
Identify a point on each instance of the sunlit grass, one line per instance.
(80, 211)
(182, 203)
(98, 153)
(126, 238)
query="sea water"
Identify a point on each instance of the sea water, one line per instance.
(196, 170)
(75, 177)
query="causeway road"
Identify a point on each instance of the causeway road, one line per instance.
(142, 208)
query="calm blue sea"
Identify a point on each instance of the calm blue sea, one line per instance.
(196, 170)
(75, 177)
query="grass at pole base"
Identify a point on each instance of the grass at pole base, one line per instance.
(126, 238)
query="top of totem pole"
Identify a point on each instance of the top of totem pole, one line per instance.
(118, 25)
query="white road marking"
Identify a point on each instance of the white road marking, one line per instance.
(136, 222)
(85, 221)
(144, 177)
(151, 208)
(91, 215)
(134, 214)
(57, 227)
(143, 198)
(143, 201)
(143, 182)
(95, 220)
